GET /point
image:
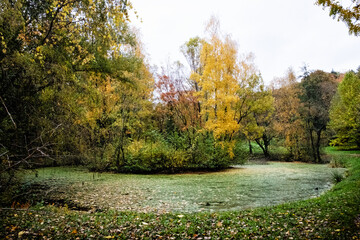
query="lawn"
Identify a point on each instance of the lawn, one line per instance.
(334, 214)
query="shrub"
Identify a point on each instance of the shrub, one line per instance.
(337, 162)
(240, 153)
(180, 152)
(100, 159)
(154, 157)
(337, 176)
(207, 154)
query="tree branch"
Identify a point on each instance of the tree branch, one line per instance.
(2, 101)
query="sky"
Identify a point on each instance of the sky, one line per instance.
(280, 33)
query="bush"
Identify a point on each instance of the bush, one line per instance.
(241, 153)
(180, 152)
(154, 157)
(100, 159)
(337, 176)
(337, 162)
(206, 153)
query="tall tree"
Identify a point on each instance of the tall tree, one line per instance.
(345, 111)
(192, 51)
(254, 108)
(287, 122)
(50, 51)
(263, 116)
(317, 91)
(178, 97)
(218, 83)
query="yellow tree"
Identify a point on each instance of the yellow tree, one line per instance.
(288, 123)
(218, 83)
(114, 110)
(50, 52)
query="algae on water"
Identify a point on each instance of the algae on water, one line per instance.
(241, 187)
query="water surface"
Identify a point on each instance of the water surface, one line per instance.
(241, 187)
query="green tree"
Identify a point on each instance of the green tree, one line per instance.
(317, 91)
(345, 111)
(50, 53)
(263, 116)
(348, 12)
(255, 106)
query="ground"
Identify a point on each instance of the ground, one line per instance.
(333, 215)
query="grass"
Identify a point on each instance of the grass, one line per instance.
(333, 215)
(337, 176)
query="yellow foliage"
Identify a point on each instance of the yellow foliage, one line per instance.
(218, 83)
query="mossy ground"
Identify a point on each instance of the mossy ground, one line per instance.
(333, 215)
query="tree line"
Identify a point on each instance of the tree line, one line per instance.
(76, 89)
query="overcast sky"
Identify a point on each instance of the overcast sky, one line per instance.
(281, 33)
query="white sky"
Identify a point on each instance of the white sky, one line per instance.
(281, 33)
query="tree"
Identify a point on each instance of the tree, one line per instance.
(317, 91)
(192, 52)
(263, 116)
(255, 106)
(348, 13)
(218, 83)
(345, 111)
(50, 51)
(178, 96)
(288, 123)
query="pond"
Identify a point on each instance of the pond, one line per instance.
(241, 187)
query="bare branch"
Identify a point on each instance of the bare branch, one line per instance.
(2, 101)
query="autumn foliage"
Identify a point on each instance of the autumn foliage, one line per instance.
(76, 88)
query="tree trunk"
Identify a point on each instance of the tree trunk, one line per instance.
(263, 148)
(250, 148)
(318, 157)
(120, 155)
(313, 150)
(266, 145)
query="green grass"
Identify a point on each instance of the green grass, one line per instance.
(333, 215)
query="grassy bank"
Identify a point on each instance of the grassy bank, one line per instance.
(334, 215)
